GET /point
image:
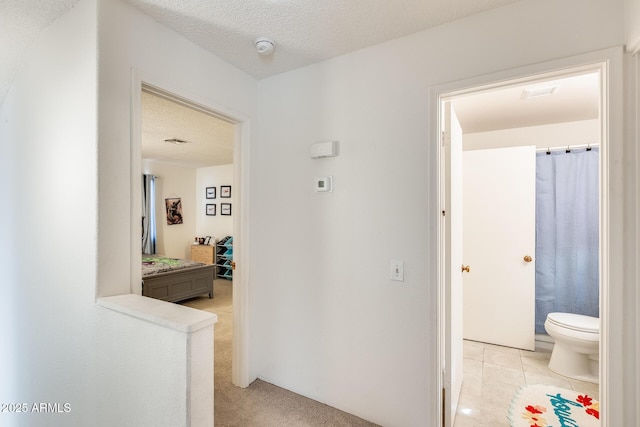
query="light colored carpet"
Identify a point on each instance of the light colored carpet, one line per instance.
(261, 404)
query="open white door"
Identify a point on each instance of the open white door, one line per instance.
(452, 229)
(499, 246)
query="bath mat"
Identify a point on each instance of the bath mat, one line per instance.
(540, 405)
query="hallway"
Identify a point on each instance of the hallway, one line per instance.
(261, 404)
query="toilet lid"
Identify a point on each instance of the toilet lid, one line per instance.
(577, 322)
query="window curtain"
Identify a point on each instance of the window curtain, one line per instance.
(148, 214)
(567, 262)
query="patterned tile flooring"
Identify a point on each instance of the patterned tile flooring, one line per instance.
(492, 375)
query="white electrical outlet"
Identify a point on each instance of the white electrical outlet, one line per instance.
(397, 270)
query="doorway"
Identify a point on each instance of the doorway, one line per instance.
(450, 280)
(239, 190)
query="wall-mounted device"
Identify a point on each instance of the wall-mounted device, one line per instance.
(323, 184)
(323, 149)
(397, 270)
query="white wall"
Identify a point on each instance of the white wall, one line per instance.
(217, 226)
(130, 41)
(48, 251)
(164, 381)
(174, 182)
(555, 135)
(328, 322)
(632, 24)
(189, 184)
(631, 278)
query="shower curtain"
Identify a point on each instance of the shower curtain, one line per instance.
(567, 262)
(148, 215)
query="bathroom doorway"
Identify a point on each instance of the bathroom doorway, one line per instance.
(560, 116)
(450, 272)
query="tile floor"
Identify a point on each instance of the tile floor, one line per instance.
(492, 375)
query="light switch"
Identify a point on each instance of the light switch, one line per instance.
(397, 270)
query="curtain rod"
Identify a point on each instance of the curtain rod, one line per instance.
(568, 148)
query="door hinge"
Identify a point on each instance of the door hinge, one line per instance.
(446, 138)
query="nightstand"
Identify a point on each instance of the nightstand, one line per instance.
(202, 253)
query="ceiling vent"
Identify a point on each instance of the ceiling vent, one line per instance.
(538, 92)
(176, 141)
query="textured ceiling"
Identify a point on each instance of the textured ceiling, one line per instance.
(20, 23)
(210, 139)
(304, 31)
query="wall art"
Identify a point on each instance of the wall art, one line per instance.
(174, 210)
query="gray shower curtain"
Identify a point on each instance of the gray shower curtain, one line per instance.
(567, 234)
(148, 215)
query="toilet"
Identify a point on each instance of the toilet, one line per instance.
(576, 349)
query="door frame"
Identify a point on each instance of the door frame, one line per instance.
(451, 161)
(609, 63)
(240, 373)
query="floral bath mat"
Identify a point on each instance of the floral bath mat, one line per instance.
(542, 405)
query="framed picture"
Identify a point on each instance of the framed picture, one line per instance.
(207, 239)
(174, 210)
(211, 192)
(211, 210)
(225, 191)
(225, 208)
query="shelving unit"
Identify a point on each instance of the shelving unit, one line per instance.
(224, 258)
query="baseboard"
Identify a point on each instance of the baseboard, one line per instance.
(544, 342)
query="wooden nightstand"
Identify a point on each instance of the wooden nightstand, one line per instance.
(202, 253)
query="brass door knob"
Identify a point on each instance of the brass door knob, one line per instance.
(527, 258)
(465, 268)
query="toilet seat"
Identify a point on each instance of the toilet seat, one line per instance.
(576, 322)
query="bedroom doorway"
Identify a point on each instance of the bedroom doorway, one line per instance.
(189, 151)
(213, 166)
(450, 278)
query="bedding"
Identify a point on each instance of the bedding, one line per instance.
(154, 264)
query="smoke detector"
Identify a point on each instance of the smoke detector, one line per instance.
(264, 45)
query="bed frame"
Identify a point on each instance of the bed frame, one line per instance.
(178, 285)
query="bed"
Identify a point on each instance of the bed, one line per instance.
(174, 280)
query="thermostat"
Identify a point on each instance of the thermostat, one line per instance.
(323, 184)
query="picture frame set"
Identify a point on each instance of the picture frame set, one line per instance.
(211, 193)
